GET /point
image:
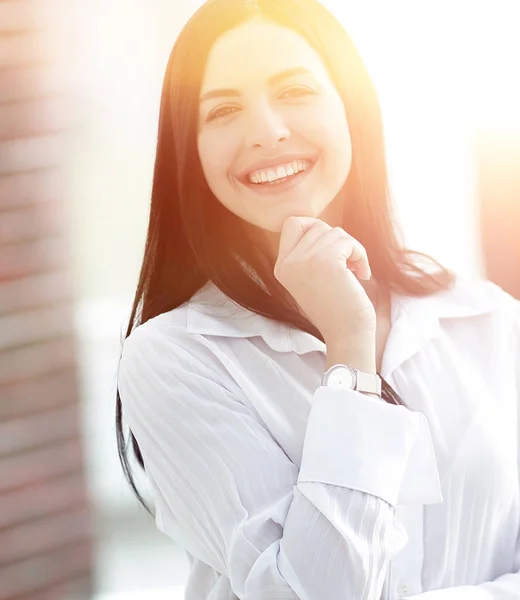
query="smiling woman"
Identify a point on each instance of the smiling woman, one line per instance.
(261, 473)
(276, 105)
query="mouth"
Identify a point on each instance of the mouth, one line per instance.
(278, 179)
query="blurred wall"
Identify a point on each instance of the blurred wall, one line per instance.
(497, 155)
(45, 517)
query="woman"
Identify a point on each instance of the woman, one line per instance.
(281, 474)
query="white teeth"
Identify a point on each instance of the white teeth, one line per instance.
(271, 175)
(280, 172)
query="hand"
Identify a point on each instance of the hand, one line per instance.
(315, 265)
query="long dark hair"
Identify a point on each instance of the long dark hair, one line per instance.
(192, 238)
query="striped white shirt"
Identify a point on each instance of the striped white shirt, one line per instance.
(279, 488)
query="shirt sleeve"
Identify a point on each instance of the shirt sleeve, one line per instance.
(226, 491)
(507, 586)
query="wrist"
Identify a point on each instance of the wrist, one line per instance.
(358, 355)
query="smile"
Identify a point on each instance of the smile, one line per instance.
(279, 179)
(281, 172)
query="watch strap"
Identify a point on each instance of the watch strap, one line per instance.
(368, 382)
(364, 382)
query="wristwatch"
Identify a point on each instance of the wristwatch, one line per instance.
(352, 379)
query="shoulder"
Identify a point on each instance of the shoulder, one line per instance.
(470, 310)
(481, 311)
(165, 342)
(472, 297)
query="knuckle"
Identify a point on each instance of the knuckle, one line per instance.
(323, 225)
(340, 231)
(359, 247)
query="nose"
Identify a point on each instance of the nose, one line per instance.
(265, 127)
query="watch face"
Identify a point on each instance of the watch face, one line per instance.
(343, 377)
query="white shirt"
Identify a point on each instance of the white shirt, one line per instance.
(279, 488)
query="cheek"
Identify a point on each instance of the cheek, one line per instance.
(327, 127)
(336, 126)
(216, 154)
(339, 142)
(333, 138)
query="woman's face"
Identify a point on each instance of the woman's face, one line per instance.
(273, 137)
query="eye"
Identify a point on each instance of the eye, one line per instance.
(220, 112)
(297, 91)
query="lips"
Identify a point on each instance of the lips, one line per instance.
(273, 163)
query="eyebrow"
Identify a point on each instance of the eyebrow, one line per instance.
(273, 80)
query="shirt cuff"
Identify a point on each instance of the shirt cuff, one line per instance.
(367, 444)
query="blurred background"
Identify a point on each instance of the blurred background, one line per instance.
(80, 84)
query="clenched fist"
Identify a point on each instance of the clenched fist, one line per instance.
(315, 265)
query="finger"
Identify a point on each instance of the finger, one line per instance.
(351, 249)
(311, 237)
(318, 238)
(359, 260)
(358, 254)
(293, 229)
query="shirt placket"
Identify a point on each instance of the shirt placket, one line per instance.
(404, 571)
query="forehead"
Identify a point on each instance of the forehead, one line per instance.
(255, 50)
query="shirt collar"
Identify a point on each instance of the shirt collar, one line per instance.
(414, 321)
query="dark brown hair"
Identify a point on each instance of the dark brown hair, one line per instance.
(193, 238)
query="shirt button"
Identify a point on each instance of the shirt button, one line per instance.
(402, 589)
